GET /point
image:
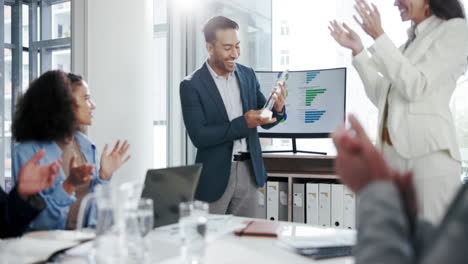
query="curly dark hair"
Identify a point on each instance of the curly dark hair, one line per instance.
(447, 9)
(74, 78)
(46, 111)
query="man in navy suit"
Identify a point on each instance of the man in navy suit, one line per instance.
(220, 106)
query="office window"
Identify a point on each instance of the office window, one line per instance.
(284, 28)
(6, 113)
(37, 38)
(160, 97)
(7, 24)
(25, 26)
(61, 59)
(25, 70)
(61, 20)
(284, 58)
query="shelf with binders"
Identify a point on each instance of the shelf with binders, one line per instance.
(304, 189)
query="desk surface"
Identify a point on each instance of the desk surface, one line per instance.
(235, 249)
(164, 245)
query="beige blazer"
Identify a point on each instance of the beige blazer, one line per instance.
(422, 80)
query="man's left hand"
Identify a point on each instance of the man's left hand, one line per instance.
(280, 98)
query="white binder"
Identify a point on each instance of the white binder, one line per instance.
(298, 203)
(324, 204)
(261, 202)
(312, 203)
(283, 201)
(272, 200)
(337, 205)
(349, 208)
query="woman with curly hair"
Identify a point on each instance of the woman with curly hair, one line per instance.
(50, 116)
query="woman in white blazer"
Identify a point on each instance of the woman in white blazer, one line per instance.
(411, 86)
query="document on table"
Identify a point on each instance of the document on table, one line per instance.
(39, 246)
(309, 236)
(318, 242)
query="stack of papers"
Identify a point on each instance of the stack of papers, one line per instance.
(39, 246)
(318, 242)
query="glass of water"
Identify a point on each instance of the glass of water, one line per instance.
(193, 224)
(145, 215)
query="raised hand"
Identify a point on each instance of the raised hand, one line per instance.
(370, 17)
(254, 119)
(79, 175)
(346, 37)
(33, 178)
(114, 160)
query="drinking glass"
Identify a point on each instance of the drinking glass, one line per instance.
(145, 215)
(193, 224)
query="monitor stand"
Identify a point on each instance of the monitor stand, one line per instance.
(294, 150)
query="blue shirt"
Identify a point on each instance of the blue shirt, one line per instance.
(58, 201)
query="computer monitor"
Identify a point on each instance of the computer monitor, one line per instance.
(168, 187)
(315, 105)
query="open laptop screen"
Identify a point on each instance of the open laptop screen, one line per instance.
(168, 187)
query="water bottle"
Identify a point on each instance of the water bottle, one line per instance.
(267, 110)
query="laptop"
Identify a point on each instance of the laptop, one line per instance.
(168, 187)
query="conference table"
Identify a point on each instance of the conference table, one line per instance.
(163, 245)
(229, 248)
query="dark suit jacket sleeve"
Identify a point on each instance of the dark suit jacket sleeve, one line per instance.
(261, 100)
(384, 234)
(385, 237)
(423, 236)
(16, 214)
(202, 134)
(447, 242)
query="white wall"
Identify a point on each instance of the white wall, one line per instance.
(115, 57)
(177, 71)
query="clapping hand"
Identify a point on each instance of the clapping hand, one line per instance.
(79, 175)
(358, 162)
(114, 160)
(346, 37)
(33, 178)
(370, 17)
